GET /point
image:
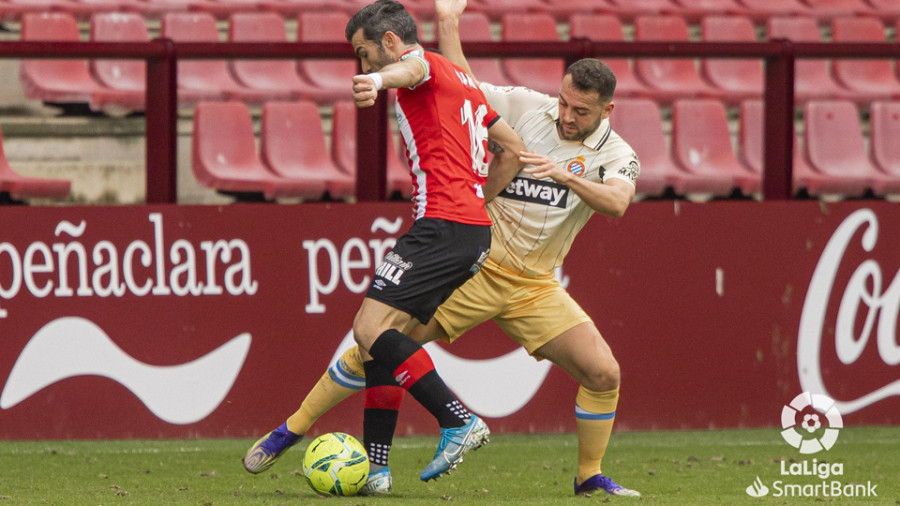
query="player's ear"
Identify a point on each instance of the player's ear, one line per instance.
(389, 41)
(608, 109)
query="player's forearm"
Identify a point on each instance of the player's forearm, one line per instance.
(610, 199)
(450, 44)
(503, 168)
(402, 74)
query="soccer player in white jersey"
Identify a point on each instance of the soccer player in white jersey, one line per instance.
(583, 167)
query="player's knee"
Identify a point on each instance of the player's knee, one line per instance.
(363, 333)
(604, 376)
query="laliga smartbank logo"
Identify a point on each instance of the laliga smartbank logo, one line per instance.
(811, 424)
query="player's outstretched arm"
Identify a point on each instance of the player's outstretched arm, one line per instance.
(505, 144)
(401, 74)
(448, 13)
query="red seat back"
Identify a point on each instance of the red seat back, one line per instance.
(834, 139)
(325, 27)
(733, 75)
(119, 27)
(544, 75)
(884, 124)
(476, 27)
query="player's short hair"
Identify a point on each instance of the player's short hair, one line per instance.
(591, 74)
(381, 17)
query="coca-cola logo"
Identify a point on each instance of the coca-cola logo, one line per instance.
(865, 294)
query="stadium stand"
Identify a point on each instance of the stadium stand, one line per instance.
(476, 27)
(805, 180)
(207, 80)
(276, 76)
(887, 10)
(639, 122)
(563, 10)
(16, 188)
(496, 9)
(760, 10)
(701, 144)
(812, 79)
(827, 9)
(695, 10)
(129, 76)
(739, 79)
(224, 158)
(884, 131)
(223, 9)
(343, 150)
(835, 147)
(873, 78)
(606, 27)
(293, 146)
(669, 78)
(628, 10)
(541, 74)
(292, 8)
(328, 78)
(61, 81)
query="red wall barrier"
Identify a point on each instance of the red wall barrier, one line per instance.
(167, 321)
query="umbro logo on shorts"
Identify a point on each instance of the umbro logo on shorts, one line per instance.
(547, 193)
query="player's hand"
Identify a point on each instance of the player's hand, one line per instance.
(541, 166)
(447, 9)
(364, 91)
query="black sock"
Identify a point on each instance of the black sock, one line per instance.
(383, 398)
(412, 369)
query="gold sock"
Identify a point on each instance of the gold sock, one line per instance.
(344, 378)
(594, 416)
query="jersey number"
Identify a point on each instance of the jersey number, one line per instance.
(478, 135)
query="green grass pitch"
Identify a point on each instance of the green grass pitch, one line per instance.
(687, 468)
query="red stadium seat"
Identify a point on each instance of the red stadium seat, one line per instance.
(329, 80)
(476, 27)
(418, 8)
(751, 148)
(764, 9)
(343, 150)
(812, 79)
(884, 131)
(292, 145)
(224, 155)
(701, 144)
(205, 79)
(16, 187)
(639, 122)
(628, 10)
(740, 79)
(874, 78)
(60, 81)
(295, 7)
(669, 78)
(835, 148)
(156, 8)
(123, 75)
(695, 10)
(275, 76)
(606, 27)
(223, 9)
(496, 9)
(542, 75)
(827, 9)
(887, 10)
(563, 10)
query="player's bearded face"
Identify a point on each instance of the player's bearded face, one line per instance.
(580, 112)
(372, 55)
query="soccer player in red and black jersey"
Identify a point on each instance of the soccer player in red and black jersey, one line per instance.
(445, 122)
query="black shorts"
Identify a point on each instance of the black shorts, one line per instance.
(428, 262)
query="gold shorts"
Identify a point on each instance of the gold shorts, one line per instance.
(532, 311)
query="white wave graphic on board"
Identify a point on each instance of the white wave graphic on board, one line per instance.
(72, 346)
(492, 387)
